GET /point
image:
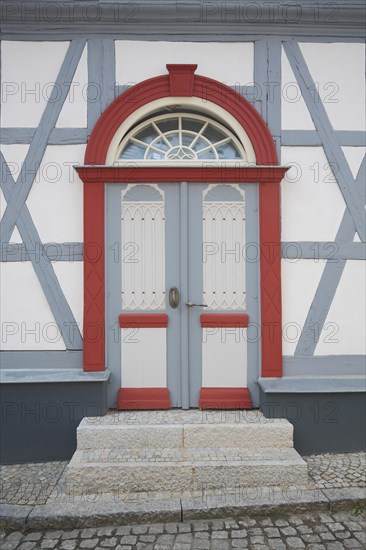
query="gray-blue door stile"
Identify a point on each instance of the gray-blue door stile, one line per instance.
(192, 252)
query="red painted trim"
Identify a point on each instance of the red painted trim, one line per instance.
(94, 327)
(268, 179)
(224, 320)
(181, 78)
(143, 398)
(204, 88)
(143, 320)
(270, 279)
(214, 173)
(225, 398)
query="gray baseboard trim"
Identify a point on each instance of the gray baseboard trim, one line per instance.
(313, 385)
(31, 376)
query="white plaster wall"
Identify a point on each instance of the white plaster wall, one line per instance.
(312, 205)
(24, 309)
(339, 71)
(143, 352)
(294, 112)
(224, 357)
(56, 198)
(230, 63)
(28, 71)
(70, 277)
(300, 279)
(14, 155)
(354, 157)
(74, 112)
(345, 326)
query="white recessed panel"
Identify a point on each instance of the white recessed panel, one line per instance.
(229, 63)
(224, 357)
(74, 112)
(312, 205)
(354, 157)
(300, 279)
(143, 353)
(26, 319)
(29, 71)
(345, 326)
(56, 198)
(294, 112)
(338, 69)
(70, 277)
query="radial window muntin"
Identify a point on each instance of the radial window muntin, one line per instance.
(180, 143)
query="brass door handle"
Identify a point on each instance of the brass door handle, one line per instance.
(191, 304)
(174, 297)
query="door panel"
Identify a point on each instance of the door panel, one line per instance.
(224, 349)
(192, 237)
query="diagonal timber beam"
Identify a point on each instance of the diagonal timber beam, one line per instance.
(361, 179)
(325, 293)
(43, 268)
(20, 191)
(329, 281)
(332, 149)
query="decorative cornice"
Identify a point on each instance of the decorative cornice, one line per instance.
(322, 18)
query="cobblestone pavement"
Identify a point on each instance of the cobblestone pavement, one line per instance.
(29, 483)
(316, 531)
(337, 470)
(33, 483)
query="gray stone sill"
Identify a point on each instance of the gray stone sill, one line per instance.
(313, 384)
(36, 376)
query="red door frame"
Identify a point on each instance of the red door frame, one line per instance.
(182, 81)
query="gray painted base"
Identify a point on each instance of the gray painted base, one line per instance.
(39, 421)
(323, 422)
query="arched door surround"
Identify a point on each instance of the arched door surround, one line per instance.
(206, 98)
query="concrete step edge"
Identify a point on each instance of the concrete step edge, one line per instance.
(109, 512)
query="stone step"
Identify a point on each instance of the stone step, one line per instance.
(184, 469)
(177, 429)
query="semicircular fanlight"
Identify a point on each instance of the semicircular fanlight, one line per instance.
(180, 137)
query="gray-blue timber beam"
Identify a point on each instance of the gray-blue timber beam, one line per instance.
(101, 77)
(53, 252)
(191, 20)
(39, 142)
(43, 268)
(332, 149)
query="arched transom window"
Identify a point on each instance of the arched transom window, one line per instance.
(180, 137)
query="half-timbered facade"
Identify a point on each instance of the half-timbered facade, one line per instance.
(183, 221)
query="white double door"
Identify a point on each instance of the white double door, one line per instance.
(181, 250)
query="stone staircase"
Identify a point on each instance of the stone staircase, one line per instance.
(183, 452)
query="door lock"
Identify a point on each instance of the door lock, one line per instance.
(191, 304)
(174, 297)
